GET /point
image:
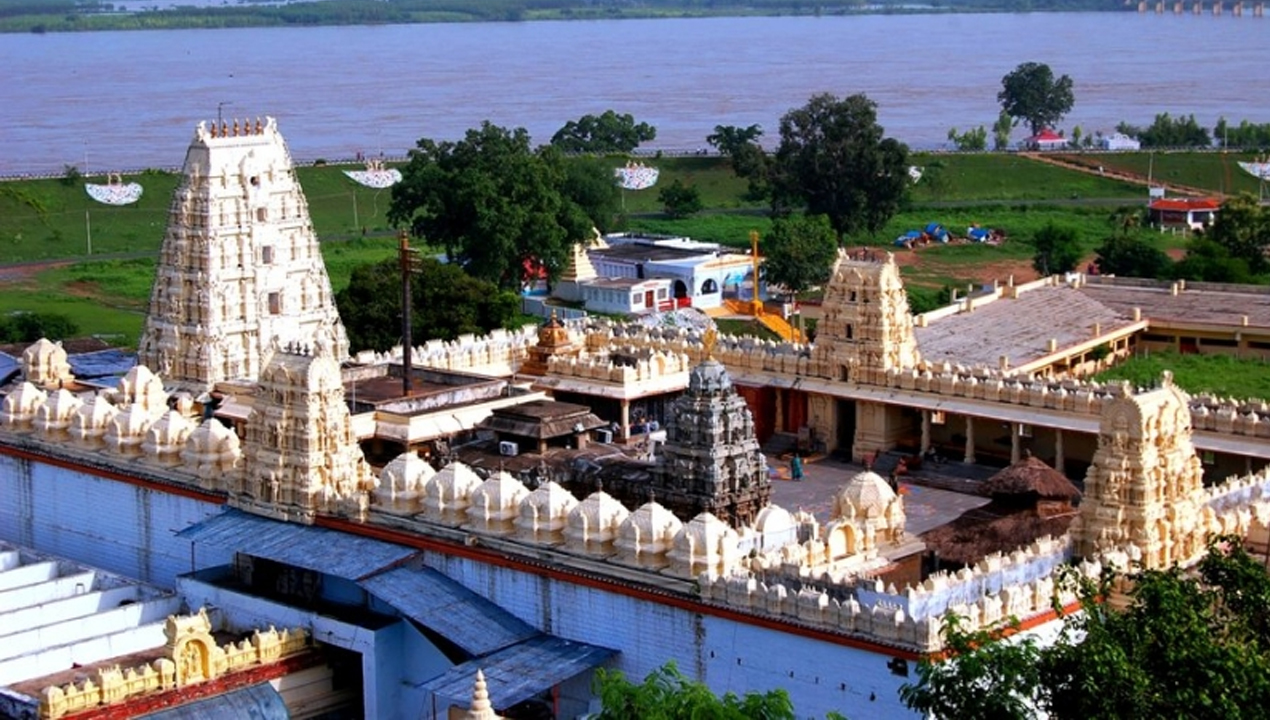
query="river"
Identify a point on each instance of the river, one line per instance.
(125, 100)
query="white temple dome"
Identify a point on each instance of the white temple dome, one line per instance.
(867, 493)
(406, 473)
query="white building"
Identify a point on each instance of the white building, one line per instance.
(1118, 141)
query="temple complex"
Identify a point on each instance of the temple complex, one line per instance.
(595, 493)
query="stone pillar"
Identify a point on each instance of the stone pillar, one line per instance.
(970, 439)
(626, 420)
(1016, 442)
(925, 432)
(1058, 451)
(779, 423)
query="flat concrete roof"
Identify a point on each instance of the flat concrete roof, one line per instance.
(1018, 328)
(1206, 306)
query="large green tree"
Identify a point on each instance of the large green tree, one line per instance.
(727, 139)
(1057, 249)
(1031, 94)
(799, 252)
(833, 160)
(1126, 252)
(1189, 645)
(1242, 227)
(603, 134)
(496, 206)
(445, 302)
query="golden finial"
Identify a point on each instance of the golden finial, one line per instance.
(708, 340)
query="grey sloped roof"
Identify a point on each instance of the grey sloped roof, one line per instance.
(342, 555)
(445, 607)
(519, 672)
(1018, 328)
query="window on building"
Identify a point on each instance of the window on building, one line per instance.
(266, 255)
(275, 303)
(262, 214)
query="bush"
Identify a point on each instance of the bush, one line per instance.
(28, 327)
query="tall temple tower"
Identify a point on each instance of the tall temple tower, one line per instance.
(240, 265)
(711, 461)
(867, 328)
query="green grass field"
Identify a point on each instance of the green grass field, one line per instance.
(1213, 171)
(47, 220)
(1219, 374)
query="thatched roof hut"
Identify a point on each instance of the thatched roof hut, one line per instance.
(993, 528)
(1030, 480)
(1029, 500)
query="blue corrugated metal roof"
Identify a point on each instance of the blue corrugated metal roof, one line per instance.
(9, 367)
(102, 364)
(519, 672)
(343, 555)
(258, 702)
(442, 605)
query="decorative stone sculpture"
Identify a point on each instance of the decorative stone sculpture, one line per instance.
(494, 506)
(18, 410)
(449, 493)
(53, 418)
(402, 483)
(592, 525)
(212, 451)
(45, 365)
(544, 514)
(89, 423)
(646, 536)
(165, 439)
(707, 545)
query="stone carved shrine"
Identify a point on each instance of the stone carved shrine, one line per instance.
(712, 461)
(239, 265)
(1145, 485)
(301, 455)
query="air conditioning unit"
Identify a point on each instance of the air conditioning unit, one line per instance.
(604, 436)
(509, 448)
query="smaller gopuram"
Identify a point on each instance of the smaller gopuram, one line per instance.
(867, 328)
(554, 340)
(866, 332)
(239, 265)
(1145, 485)
(301, 455)
(711, 461)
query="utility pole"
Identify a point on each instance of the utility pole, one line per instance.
(755, 302)
(406, 257)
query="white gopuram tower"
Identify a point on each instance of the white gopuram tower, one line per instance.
(240, 265)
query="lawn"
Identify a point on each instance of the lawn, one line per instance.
(1215, 171)
(1008, 177)
(1219, 374)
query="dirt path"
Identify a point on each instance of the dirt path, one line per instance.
(1092, 167)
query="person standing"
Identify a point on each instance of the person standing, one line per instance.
(796, 468)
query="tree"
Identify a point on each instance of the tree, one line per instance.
(1030, 94)
(25, 327)
(445, 302)
(1211, 262)
(1001, 131)
(496, 206)
(1057, 249)
(974, 140)
(798, 252)
(590, 183)
(1189, 644)
(834, 161)
(679, 200)
(667, 694)
(1242, 227)
(1125, 252)
(607, 133)
(727, 139)
(1166, 131)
